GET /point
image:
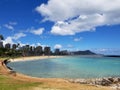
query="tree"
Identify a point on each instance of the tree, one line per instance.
(1, 37)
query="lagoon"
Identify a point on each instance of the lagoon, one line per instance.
(70, 67)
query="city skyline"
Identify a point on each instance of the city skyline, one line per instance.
(62, 24)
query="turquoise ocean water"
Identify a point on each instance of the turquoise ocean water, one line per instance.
(70, 67)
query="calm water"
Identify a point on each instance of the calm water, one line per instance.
(70, 67)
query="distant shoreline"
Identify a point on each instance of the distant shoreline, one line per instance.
(29, 58)
(112, 56)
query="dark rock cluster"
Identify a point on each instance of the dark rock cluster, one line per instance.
(113, 82)
(99, 81)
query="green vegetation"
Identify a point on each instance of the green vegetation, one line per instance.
(7, 83)
(9, 53)
(1, 37)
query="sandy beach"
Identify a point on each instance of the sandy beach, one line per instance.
(54, 82)
(33, 58)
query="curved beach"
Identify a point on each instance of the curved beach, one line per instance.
(4, 70)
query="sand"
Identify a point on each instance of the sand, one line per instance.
(33, 58)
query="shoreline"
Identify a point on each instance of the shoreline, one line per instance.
(18, 76)
(48, 57)
(104, 81)
(31, 58)
(4, 70)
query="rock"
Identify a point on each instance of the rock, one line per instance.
(100, 81)
(111, 79)
(83, 81)
(116, 86)
(105, 82)
(116, 80)
(77, 81)
(71, 80)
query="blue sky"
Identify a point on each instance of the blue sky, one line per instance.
(64, 24)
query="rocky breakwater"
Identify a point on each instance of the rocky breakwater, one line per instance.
(113, 82)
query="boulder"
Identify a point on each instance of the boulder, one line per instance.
(105, 82)
(116, 80)
(100, 81)
(83, 81)
(111, 79)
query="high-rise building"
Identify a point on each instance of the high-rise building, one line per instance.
(57, 51)
(47, 51)
(14, 46)
(31, 48)
(27, 47)
(38, 50)
(7, 46)
(64, 52)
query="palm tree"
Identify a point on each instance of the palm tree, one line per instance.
(1, 42)
(1, 37)
(2, 50)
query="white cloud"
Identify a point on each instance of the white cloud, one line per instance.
(38, 44)
(33, 45)
(13, 23)
(18, 35)
(75, 16)
(57, 46)
(38, 31)
(9, 26)
(77, 39)
(69, 46)
(8, 40)
(11, 39)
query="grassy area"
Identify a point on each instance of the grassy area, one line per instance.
(7, 83)
(3, 58)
